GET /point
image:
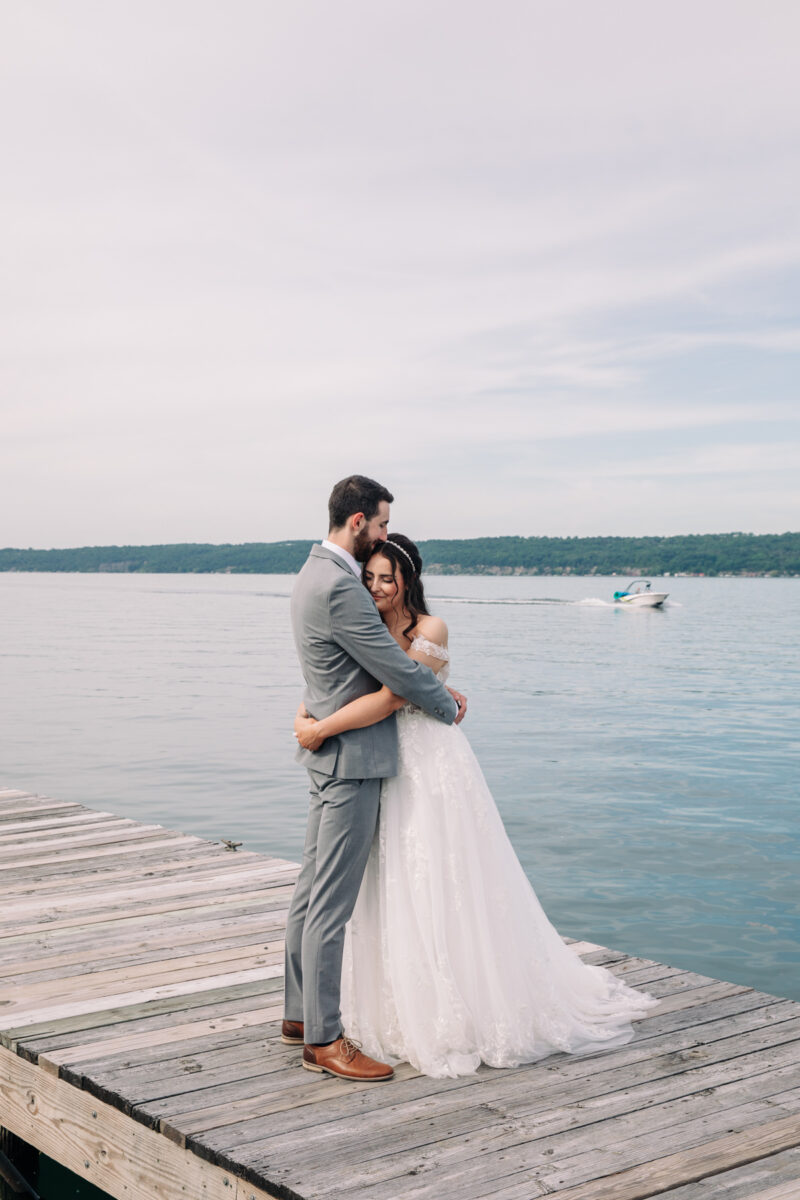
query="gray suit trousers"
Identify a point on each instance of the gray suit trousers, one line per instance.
(341, 824)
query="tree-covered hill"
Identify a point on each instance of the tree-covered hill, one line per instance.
(251, 558)
(694, 554)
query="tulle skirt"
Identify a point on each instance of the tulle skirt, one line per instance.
(449, 958)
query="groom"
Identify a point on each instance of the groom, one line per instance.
(345, 651)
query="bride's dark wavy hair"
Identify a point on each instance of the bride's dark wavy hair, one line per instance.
(410, 572)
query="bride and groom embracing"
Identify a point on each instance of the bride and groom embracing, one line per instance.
(413, 925)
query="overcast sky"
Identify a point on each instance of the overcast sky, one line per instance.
(533, 265)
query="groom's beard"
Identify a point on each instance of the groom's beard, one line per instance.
(362, 550)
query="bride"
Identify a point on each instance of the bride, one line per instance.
(449, 958)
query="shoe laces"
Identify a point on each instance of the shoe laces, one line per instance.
(350, 1047)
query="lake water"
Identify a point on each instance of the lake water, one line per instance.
(646, 763)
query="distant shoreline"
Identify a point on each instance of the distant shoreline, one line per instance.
(455, 572)
(714, 554)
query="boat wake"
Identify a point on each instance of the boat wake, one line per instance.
(507, 601)
(514, 602)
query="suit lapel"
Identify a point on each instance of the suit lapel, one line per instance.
(324, 552)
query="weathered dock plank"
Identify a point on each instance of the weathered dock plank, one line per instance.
(140, 1005)
(104, 1146)
(771, 1178)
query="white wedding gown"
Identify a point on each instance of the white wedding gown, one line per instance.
(449, 959)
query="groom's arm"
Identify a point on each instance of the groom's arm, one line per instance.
(357, 628)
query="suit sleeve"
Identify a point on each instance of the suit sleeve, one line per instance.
(357, 628)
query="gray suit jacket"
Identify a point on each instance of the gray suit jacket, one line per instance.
(346, 651)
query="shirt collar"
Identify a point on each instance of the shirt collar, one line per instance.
(344, 554)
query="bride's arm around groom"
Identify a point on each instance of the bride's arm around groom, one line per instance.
(344, 648)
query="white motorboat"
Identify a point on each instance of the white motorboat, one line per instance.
(639, 594)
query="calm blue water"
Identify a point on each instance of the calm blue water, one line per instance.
(646, 762)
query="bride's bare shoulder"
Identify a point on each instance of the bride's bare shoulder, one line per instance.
(432, 628)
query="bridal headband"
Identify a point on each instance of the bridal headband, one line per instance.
(404, 553)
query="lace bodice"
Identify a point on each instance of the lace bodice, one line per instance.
(434, 650)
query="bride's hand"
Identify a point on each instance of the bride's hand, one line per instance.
(461, 701)
(306, 730)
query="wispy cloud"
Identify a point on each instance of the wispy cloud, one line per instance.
(551, 250)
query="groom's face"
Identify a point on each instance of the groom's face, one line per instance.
(372, 531)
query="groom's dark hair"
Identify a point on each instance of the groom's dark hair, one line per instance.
(356, 494)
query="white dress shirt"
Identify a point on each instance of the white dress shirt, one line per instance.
(344, 554)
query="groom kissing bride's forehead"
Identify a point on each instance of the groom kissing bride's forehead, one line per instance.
(360, 507)
(448, 960)
(349, 658)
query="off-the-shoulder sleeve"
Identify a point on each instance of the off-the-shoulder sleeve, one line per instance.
(357, 628)
(425, 646)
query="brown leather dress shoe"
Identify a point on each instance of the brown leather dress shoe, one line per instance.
(344, 1059)
(292, 1033)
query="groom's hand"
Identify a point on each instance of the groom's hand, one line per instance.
(461, 701)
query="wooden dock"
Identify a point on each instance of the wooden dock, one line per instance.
(140, 1001)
